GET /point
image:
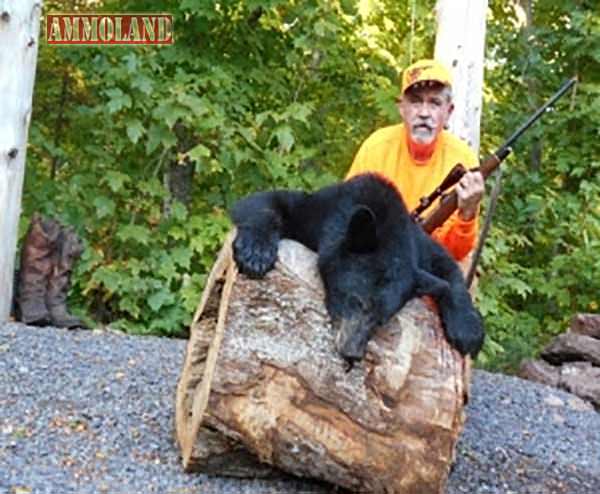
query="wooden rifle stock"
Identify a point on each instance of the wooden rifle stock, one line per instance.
(449, 202)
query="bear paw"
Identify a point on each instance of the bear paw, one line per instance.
(464, 331)
(255, 252)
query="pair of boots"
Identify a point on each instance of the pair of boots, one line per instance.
(47, 257)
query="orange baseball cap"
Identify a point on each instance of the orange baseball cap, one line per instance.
(425, 70)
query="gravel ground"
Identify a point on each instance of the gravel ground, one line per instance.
(92, 412)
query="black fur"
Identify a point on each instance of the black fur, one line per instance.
(372, 257)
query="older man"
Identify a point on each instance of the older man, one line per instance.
(418, 154)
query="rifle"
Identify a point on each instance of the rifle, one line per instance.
(449, 202)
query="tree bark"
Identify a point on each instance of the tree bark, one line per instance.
(262, 387)
(460, 45)
(527, 32)
(179, 176)
(19, 28)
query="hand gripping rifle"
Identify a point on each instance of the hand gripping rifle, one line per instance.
(449, 201)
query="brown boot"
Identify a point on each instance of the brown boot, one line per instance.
(68, 250)
(36, 264)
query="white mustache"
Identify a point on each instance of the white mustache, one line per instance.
(423, 125)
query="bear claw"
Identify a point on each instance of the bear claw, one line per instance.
(254, 256)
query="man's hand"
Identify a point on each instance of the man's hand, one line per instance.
(470, 191)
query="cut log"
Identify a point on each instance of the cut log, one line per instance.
(587, 324)
(572, 347)
(263, 388)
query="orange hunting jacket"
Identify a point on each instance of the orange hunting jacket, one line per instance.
(386, 152)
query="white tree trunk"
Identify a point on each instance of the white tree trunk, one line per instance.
(460, 45)
(19, 29)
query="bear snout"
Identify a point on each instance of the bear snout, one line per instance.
(352, 337)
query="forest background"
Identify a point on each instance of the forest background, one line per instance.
(143, 149)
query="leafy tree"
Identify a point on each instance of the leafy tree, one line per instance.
(150, 146)
(144, 149)
(541, 264)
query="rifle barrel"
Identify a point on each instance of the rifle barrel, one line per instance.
(531, 120)
(448, 204)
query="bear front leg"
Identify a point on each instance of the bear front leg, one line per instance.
(462, 322)
(259, 228)
(264, 218)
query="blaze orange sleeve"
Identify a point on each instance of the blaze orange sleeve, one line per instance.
(457, 235)
(385, 152)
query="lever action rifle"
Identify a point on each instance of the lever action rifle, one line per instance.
(449, 201)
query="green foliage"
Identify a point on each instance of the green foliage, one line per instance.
(144, 149)
(253, 95)
(541, 264)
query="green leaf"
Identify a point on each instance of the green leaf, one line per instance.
(143, 83)
(152, 187)
(131, 62)
(177, 233)
(167, 269)
(104, 206)
(107, 277)
(300, 112)
(200, 6)
(131, 306)
(182, 256)
(285, 138)
(159, 134)
(135, 130)
(170, 113)
(178, 211)
(160, 299)
(118, 100)
(198, 152)
(194, 103)
(137, 233)
(191, 290)
(115, 180)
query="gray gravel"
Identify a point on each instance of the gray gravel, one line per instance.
(92, 412)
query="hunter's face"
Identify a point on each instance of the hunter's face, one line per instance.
(425, 109)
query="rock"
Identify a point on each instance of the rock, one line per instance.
(572, 347)
(586, 324)
(540, 371)
(581, 379)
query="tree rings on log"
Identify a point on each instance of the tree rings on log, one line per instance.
(263, 388)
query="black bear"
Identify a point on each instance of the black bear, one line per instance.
(372, 257)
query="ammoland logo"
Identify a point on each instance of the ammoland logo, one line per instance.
(109, 29)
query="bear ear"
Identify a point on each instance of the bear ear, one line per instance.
(361, 236)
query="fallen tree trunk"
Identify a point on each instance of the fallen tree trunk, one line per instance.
(262, 387)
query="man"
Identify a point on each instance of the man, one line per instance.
(418, 154)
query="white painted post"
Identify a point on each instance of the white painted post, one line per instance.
(460, 45)
(19, 30)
